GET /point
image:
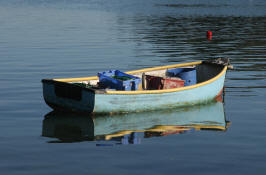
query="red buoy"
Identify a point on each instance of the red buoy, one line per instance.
(209, 35)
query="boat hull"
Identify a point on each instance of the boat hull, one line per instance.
(144, 102)
(85, 103)
(66, 96)
(104, 103)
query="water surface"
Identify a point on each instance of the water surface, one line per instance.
(64, 38)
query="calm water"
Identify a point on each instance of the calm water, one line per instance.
(72, 38)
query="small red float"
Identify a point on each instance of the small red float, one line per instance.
(209, 35)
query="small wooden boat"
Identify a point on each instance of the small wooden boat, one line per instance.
(67, 94)
(131, 127)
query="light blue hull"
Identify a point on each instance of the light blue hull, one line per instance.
(67, 96)
(143, 102)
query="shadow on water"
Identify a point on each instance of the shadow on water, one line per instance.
(132, 127)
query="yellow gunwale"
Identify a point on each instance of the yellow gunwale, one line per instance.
(131, 72)
(151, 91)
(169, 90)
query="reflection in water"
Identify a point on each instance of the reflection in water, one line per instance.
(130, 128)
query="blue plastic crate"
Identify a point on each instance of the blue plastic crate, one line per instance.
(187, 74)
(106, 80)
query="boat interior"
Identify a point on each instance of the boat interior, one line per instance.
(201, 72)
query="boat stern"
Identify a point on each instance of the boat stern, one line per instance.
(67, 96)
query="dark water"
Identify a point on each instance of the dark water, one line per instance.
(73, 38)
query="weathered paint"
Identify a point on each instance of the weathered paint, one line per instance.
(219, 96)
(134, 101)
(86, 103)
(142, 102)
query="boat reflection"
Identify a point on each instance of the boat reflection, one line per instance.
(109, 130)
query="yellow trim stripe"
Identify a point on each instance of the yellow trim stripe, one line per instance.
(169, 90)
(132, 72)
(152, 69)
(76, 79)
(165, 67)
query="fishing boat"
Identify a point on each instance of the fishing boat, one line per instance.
(130, 128)
(206, 85)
